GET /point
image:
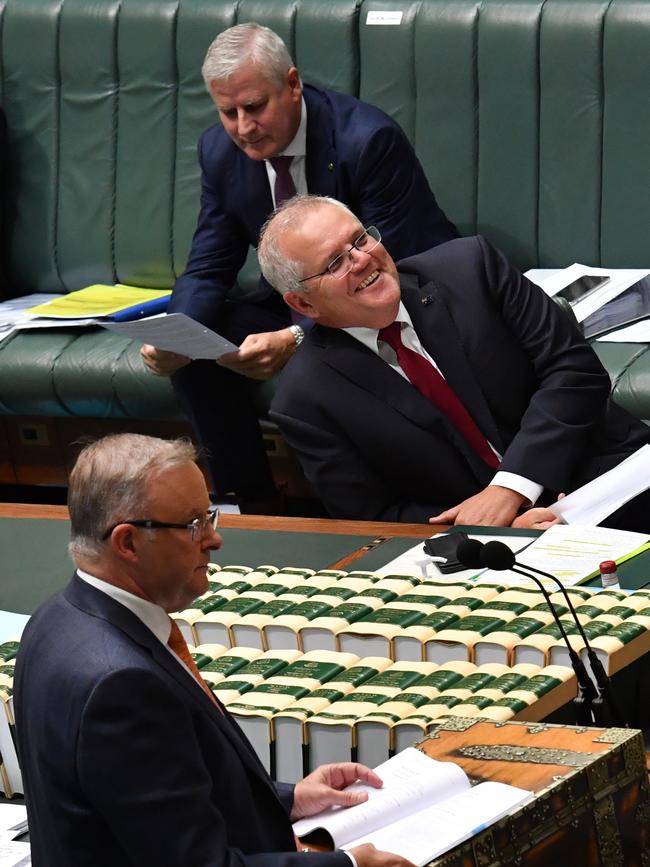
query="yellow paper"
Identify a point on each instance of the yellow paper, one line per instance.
(97, 300)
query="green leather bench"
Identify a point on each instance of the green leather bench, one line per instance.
(531, 118)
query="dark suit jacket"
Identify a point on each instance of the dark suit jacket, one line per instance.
(126, 761)
(375, 448)
(355, 153)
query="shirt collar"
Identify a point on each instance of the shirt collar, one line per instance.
(153, 616)
(370, 336)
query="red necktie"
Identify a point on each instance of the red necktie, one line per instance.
(284, 186)
(178, 644)
(434, 386)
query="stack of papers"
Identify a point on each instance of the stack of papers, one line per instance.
(13, 313)
(13, 821)
(620, 279)
(101, 300)
(593, 502)
(573, 554)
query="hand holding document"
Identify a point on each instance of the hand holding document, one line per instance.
(424, 809)
(175, 332)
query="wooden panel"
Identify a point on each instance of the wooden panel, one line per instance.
(592, 804)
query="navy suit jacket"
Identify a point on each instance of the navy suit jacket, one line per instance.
(355, 153)
(375, 448)
(126, 761)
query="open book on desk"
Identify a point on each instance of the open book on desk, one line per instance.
(424, 808)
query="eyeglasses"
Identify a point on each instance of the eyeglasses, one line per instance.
(342, 265)
(197, 527)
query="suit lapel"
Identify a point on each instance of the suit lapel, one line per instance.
(254, 192)
(321, 163)
(98, 604)
(441, 339)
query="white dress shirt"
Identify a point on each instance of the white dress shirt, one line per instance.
(369, 337)
(153, 616)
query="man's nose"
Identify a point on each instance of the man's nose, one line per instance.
(245, 124)
(358, 259)
(211, 541)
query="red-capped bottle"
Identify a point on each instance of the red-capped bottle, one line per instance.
(608, 574)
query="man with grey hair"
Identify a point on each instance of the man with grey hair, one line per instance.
(445, 388)
(276, 138)
(127, 756)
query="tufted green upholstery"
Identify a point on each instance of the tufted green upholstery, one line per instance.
(531, 118)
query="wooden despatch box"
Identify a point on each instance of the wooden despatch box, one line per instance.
(593, 799)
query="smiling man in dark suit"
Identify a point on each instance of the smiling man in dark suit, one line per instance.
(127, 757)
(276, 138)
(447, 387)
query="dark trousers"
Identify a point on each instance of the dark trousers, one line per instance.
(221, 406)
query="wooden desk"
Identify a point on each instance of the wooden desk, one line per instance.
(593, 800)
(378, 532)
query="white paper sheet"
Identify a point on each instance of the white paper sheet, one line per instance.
(15, 854)
(13, 821)
(637, 332)
(175, 332)
(12, 312)
(593, 502)
(416, 562)
(571, 553)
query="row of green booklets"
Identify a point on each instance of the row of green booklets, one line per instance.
(301, 710)
(407, 618)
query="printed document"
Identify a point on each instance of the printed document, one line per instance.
(573, 553)
(175, 332)
(425, 808)
(593, 502)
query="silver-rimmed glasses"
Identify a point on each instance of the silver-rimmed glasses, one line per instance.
(342, 265)
(198, 526)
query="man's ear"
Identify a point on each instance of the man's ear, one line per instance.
(123, 542)
(299, 301)
(295, 85)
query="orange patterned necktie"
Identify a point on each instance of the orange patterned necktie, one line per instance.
(178, 644)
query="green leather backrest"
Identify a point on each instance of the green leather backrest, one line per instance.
(531, 118)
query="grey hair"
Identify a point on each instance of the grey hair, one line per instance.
(110, 481)
(247, 43)
(282, 273)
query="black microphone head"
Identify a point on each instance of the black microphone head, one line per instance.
(496, 555)
(468, 553)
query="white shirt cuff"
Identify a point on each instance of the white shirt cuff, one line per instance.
(351, 857)
(531, 490)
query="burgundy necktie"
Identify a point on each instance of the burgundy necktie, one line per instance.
(284, 186)
(434, 386)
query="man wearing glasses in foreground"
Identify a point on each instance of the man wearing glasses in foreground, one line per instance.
(447, 388)
(127, 757)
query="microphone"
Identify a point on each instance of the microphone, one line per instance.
(501, 554)
(469, 553)
(497, 556)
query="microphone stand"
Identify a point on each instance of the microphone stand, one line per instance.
(587, 696)
(606, 699)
